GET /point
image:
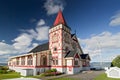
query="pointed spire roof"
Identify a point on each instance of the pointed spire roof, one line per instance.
(59, 19)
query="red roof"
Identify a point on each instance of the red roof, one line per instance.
(59, 19)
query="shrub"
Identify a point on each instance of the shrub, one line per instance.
(9, 71)
(53, 70)
(3, 71)
(4, 68)
(48, 71)
(116, 62)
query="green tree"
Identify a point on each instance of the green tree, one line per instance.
(116, 61)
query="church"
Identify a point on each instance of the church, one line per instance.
(62, 52)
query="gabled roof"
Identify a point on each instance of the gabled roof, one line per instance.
(59, 19)
(70, 54)
(41, 47)
(84, 56)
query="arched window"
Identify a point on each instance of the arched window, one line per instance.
(30, 60)
(43, 60)
(23, 61)
(17, 61)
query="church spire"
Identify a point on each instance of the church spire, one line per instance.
(59, 19)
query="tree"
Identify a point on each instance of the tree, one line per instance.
(116, 61)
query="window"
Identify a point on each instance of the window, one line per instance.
(30, 60)
(43, 60)
(84, 63)
(55, 61)
(23, 61)
(55, 49)
(76, 62)
(17, 61)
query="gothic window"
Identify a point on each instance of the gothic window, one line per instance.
(76, 62)
(55, 61)
(84, 63)
(30, 60)
(17, 61)
(23, 61)
(43, 60)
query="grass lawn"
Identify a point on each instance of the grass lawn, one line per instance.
(10, 75)
(104, 77)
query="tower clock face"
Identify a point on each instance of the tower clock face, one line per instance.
(55, 37)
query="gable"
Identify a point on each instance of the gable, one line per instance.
(76, 55)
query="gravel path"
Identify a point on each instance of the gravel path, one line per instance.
(86, 75)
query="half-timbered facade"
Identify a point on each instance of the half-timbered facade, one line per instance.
(62, 52)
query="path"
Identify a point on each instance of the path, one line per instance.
(87, 75)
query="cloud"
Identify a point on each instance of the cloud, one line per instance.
(115, 20)
(27, 40)
(40, 22)
(6, 48)
(53, 6)
(22, 41)
(42, 33)
(104, 43)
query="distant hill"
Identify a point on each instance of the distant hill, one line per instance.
(3, 64)
(99, 64)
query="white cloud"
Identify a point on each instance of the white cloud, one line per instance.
(22, 41)
(42, 33)
(53, 6)
(6, 48)
(40, 22)
(26, 40)
(115, 20)
(104, 43)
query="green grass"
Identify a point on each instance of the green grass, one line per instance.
(104, 77)
(10, 75)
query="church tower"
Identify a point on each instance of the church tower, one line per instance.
(59, 42)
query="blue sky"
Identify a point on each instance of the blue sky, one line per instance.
(24, 24)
